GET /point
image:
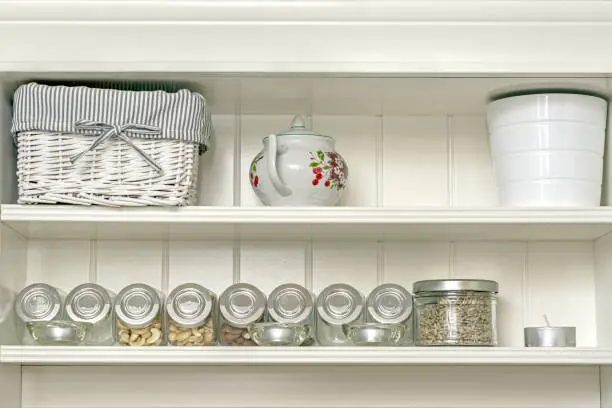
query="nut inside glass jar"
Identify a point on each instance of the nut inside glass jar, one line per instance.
(139, 319)
(240, 305)
(189, 311)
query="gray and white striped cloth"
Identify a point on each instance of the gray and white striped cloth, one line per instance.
(181, 115)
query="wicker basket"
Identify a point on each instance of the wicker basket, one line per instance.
(79, 145)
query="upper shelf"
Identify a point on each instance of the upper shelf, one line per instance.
(275, 223)
(33, 355)
(330, 36)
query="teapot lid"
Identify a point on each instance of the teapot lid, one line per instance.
(298, 127)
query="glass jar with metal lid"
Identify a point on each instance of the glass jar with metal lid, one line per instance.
(293, 304)
(37, 302)
(189, 316)
(391, 304)
(338, 305)
(93, 304)
(240, 305)
(138, 310)
(456, 312)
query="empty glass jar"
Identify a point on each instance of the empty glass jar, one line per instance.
(189, 316)
(456, 312)
(91, 303)
(338, 305)
(240, 305)
(138, 310)
(37, 302)
(390, 305)
(293, 304)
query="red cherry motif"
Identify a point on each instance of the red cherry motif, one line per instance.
(319, 176)
(256, 181)
(317, 170)
(251, 176)
(315, 182)
(327, 183)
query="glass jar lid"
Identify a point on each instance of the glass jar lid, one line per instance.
(447, 285)
(88, 303)
(339, 304)
(242, 304)
(290, 303)
(38, 302)
(389, 304)
(137, 305)
(190, 305)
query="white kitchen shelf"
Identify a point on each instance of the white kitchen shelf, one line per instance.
(346, 223)
(35, 355)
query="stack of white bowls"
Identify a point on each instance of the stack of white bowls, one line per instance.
(547, 149)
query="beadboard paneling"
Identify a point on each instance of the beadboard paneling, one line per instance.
(311, 386)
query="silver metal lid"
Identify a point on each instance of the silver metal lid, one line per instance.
(242, 304)
(389, 303)
(443, 285)
(340, 304)
(190, 305)
(88, 303)
(38, 302)
(137, 305)
(290, 303)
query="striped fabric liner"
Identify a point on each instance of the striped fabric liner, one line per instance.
(181, 115)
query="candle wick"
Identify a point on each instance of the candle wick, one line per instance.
(546, 320)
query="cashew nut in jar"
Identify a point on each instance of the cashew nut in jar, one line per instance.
(141, 337)
(196, 336)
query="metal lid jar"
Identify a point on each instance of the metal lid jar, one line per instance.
(338, 305)
(139, 318)
(189, 316)
(456, 312)
(240, 305)
(37, 302)
(391, 305)
(93, 304)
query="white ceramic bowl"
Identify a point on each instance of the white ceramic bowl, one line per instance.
(550, 193)
(547, 136)
(563, 107)
(555, 164)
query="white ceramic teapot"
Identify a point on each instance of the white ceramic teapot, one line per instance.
(298, 168)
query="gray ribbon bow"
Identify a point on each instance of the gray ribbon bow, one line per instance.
(108, 131)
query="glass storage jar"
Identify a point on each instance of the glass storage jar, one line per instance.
(91, 303)
(240, 305)
(189, 316)
(293, 304)
(138, 310)
(338, 305)
(391, 304)
(37, 302)
(456, 312)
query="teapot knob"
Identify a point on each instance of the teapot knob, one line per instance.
(298, 123)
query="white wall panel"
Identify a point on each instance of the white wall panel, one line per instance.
(560, 283)
(408, 262)
(269, 264)
(415, 158)
(603, 300)
(338, 262)
(356, 140)
(120, 263)
(208, 263)
(311, 386)
(63, 264)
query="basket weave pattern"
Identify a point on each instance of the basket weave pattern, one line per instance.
(113, 174)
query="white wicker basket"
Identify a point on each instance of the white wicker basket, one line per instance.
(79, 145)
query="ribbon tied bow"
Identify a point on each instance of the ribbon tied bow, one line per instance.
(108, 131)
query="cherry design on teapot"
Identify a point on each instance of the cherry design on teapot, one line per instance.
(329, 169)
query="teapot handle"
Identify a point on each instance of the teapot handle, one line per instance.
(271, 154)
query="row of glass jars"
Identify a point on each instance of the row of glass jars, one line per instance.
(448, 312)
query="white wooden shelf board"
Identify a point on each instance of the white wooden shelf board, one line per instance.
(346, 223)
(36, 355)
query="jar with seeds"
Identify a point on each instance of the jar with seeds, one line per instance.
(338, 305)
(189, 316)
(138, 309)
(91, 303)
(240, 305)
(456, 312)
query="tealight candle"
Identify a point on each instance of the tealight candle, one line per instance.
(550, 336)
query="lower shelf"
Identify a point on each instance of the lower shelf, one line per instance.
(33, 355)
